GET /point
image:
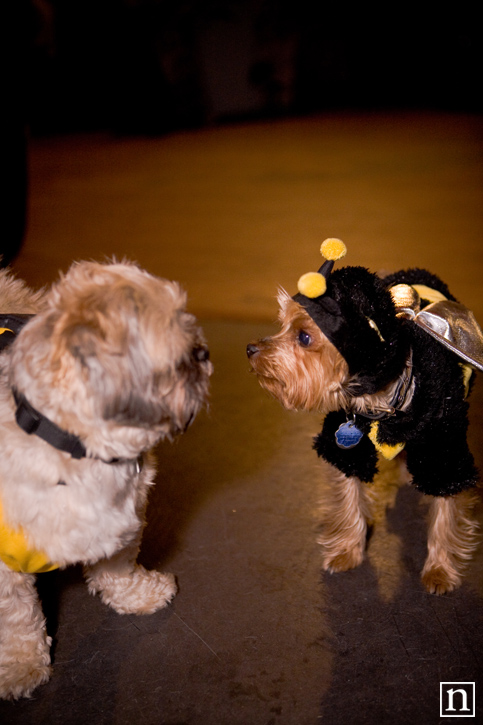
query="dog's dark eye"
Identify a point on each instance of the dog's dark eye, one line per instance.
(201, 354)
(304, 338)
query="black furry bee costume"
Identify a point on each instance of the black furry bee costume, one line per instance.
(406, 326)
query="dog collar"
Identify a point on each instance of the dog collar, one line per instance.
(398, 399)
(27, 417)
(348, 435)
(32, 422)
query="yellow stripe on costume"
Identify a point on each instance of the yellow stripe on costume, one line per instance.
(432, 295)
(427, 293)
(467, 373)
(16, 553)
(384, 449)
(5, 329)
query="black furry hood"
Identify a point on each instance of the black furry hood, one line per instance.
(358, 316)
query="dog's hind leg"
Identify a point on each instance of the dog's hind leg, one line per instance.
(24, 645)
(452, 540)
(344, 532)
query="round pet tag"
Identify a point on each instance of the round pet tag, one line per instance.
(348, 435)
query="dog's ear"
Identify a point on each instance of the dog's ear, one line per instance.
(283, 299)
(83, 340)
(117, 370)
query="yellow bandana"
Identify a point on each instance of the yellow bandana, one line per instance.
(16, 553)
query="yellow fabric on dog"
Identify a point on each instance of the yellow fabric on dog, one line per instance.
(427, 293)
(467, 373)
(432, 295)
(4, 329)
(384, 449)
(16, 553)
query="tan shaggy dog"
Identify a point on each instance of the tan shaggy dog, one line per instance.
(109, 364)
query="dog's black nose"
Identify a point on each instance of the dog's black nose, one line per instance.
(201, 354)
(252, 350)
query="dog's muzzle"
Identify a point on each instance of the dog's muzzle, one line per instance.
(252, 350)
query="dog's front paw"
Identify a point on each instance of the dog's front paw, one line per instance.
(438, 580)
(343, 561)
(139, 592)
(22, 672)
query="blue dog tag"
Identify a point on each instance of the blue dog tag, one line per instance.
(348, 435)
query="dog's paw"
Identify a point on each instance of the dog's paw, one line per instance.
(20, 678)
(438, 580)
(140, 592)
(343, 561)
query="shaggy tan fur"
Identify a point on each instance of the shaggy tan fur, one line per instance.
(313, 376)
(113, 357)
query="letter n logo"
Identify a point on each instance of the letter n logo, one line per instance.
(457, 699)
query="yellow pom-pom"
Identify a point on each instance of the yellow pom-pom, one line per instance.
(312, 284)
(333, 249)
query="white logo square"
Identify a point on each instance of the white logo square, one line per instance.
(457, 699)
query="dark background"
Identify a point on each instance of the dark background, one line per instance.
(153, 66)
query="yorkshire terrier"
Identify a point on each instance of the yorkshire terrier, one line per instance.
(105, 365)
(389, 363)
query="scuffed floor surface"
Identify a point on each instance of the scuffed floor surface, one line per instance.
(257, 635)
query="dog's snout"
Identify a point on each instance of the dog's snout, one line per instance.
(201, 354)
(252, 350)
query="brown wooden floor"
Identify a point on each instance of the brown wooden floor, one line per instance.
(256, 635)
(233, 212)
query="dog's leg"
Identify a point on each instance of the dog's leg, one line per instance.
(24, 645)
(128, 587)
(451, 541)
(124, 584)
(344, 534)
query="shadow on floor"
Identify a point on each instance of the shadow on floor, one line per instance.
(256, 635)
